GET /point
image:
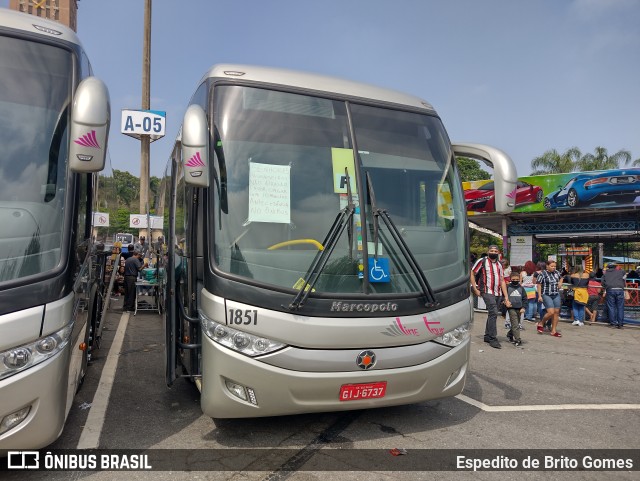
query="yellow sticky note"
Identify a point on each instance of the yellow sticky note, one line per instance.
(341, 159)
(299, 283)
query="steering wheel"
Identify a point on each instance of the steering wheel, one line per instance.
(296, 242)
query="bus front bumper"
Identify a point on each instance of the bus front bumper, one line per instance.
(42, 389)
(281, 391)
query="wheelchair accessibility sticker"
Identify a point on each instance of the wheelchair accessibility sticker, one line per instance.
(379, 269)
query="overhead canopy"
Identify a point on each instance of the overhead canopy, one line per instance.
(588, 225)
(620, 260)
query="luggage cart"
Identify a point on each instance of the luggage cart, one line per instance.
(147, 297)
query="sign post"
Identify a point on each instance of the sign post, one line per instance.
(146, 126)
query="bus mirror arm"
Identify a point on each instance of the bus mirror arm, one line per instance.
(90, 120)
(505, 175)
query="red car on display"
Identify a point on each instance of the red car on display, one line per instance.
(482, 199)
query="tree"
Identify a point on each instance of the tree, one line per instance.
(601, 160)
(470, 170)
(127, 188)
(552, 162)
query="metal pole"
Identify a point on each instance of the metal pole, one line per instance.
(146, 100)
(505, 238)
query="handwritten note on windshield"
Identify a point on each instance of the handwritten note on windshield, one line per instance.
(269, 193)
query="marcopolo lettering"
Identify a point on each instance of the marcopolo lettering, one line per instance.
(363, 307)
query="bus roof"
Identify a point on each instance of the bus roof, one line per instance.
(36, 25)
(311, 81)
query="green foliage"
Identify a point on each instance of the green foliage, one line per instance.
(470, 170)
(119, 196)
(127, 187)
(553, 162)
(479, 242)
(601, 160)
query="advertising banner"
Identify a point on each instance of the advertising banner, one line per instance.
(599, 188)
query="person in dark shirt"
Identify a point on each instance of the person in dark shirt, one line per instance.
(142, 246)
(129, 253)
(132, 266)
(613, 282)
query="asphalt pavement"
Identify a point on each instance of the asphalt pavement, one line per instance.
(551, 395)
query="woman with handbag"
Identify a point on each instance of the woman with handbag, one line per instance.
(579, 280)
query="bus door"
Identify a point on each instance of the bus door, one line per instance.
(181, 318)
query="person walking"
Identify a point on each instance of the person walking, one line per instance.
(613, 282)
(579, 280)
(491, 287)
(547, 282)
(518, 299)
(132, 266)
(528, 281)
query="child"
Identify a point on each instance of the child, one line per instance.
(518, 298)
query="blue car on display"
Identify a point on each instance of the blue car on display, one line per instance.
(621, 186)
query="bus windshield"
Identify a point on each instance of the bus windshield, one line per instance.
(280, 161)
(35, 88)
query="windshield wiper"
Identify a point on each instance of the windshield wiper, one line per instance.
(343, 219)
(404, 248)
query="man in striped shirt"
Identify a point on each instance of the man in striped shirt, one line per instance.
(492, 287)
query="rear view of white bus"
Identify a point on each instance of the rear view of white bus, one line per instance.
(320, 246)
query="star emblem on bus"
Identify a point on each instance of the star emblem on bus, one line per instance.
(366, 360)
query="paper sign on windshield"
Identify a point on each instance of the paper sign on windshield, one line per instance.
(269, 193)
(342, 158)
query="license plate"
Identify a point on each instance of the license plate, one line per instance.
(356, 392)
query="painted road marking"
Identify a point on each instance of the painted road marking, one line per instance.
(544, 407)
(90, 436)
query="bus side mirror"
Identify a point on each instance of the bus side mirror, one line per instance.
(505, 177)
(90, 119)
(195, 147)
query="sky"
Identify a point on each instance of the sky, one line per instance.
(525, 76)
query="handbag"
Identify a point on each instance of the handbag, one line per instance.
(627, 296)
(580, 295)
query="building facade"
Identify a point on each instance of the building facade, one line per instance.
(63, 11)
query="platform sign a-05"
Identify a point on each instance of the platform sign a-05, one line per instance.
(136, 123)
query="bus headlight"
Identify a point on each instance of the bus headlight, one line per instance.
(23, 357)
(456, 336)
(239, 341)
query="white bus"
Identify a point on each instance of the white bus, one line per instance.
(318, 246)
(54, 120)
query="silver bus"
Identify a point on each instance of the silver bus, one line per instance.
(319, 251)
(54, 120)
